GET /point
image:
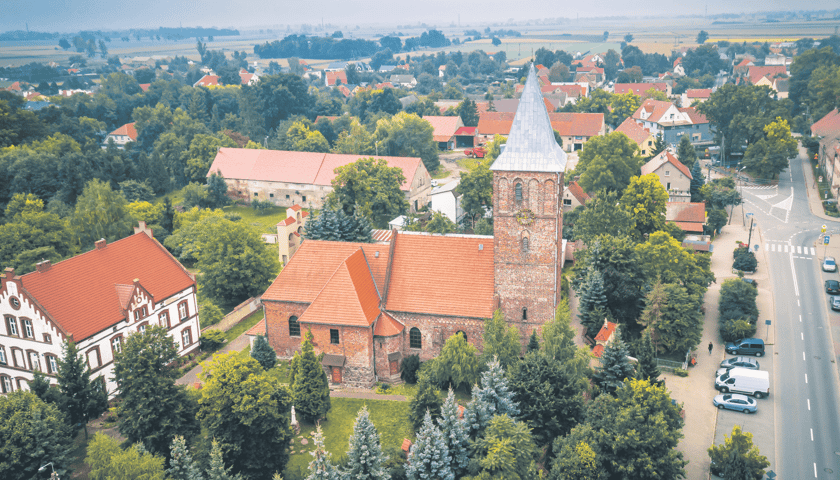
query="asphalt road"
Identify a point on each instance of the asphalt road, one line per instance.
(805, 391)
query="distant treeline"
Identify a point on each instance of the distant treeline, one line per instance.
(327, 48)
(183, 32)
(18, 35)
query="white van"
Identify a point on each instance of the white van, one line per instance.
(742, 380)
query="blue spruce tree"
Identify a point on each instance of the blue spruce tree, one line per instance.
(615, 367)
(456, 435)
(365, 460)
(494, 397)
(429, 456)
(697, 182)
(321, 467)
(181, 465)
(593, 302)
(263, 353)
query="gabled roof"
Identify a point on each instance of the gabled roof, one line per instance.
(467, 131)
(349, 297)
(640, 88)
(655, 110)
(495, 123)
(126, 130)
(685, 212)
(578, 192)
(332, 77)
(828, 125)
(577, 124)
(258, 329)
(315, 262)
(444, 127)
(145, 86)
(757, 73)
(531, 146)
(464, 288)
(663, 158)
(698, 92)
(606, 332)
(207, 81)
(693, 115)
(632, 129)
(296, 167)
(81, 293)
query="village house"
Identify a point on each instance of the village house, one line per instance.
(121, 136)
(640, 136)
(574, 196)
(674, 176)
(404, 81)
(444, 130)
(640, 88)
(827, 129)
(368, 306)
(447, 200)
(287, 178)
(659, 117)
(689, 216)
(96, 299)
(696, 95)
(574, 128)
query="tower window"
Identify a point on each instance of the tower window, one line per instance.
(525, 245)
(518, 190)
(524, 313)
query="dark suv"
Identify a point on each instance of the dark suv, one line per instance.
(746, 346)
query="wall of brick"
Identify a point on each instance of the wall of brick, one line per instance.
(241, 311)
(382, 347)
(277, 321)
(435, 330)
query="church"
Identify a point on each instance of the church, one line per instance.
(369, 305)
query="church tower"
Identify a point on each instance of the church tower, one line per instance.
(527, 215)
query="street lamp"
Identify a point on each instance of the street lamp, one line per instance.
(53, 475)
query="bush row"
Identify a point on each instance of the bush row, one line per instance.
(738, 309)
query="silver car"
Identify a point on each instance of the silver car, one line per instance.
(829, 264)
(735, 401)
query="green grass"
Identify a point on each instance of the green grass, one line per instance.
(469, 163)
(389, 417)
(266, 220)
(244, 325)
(440, 173)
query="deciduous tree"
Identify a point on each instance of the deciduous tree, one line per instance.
(608, 162)
(407, 135)
(602, 215)
(457, 365)
(426, 400)
(108, 461)
(738, 457)
(476, 189)
(501, 342)
(100, 213)
(371, 186)
(506, 450)
(645, 200)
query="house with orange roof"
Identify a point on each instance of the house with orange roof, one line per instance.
(641, 137)
(696, 95)
(605, 336)
(664, 118)
(333, 78)
(370, 305)
(574, 128)
(207, 81)
(290, 232)
(640, 88)
(444, 130)
(689, 216)
(674, 176)
(288, 178)
(121, 136)
(96, 299)
(743, 67)
(574, 196)
(248, 78)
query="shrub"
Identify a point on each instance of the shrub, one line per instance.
(209, 314)
(680, 372)
(744, 260)
(211, 340)
(408, 369)
(738, 310)
(731, 330)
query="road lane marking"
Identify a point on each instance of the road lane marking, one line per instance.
(786, 248)
(800, 319)
(766, 246)
(815, 470)
(795, 283)
(801, 334)
(806, 378)
(797, 302)
(809, 404)
(803, 356)
(812, 434)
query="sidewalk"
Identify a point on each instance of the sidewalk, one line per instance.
(814, 201)
(236, 345)
(696, 391)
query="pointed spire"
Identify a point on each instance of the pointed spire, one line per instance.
(531, 146)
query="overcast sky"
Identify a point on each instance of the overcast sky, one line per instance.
(74, 15)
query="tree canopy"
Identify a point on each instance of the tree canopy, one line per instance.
(373, 187)
(608, 162)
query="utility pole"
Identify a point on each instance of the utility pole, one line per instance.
(749, 239)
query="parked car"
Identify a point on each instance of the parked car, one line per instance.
(743, 362)
(835, 303)
(746, 346)
(751, 282)
(829, 264)
(832, 286)
(741, 380)
(737, 402)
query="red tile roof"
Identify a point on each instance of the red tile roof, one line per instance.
(314, 264)
(466, 131)
(757, 73)
(577, 124)
(606, 332)
(295, 167)
(655, 108)
(82, 293)
(688, 216)
(597, 351)
(128, 130)
(640, 88)
(207, 81)
(828, 125)
(349, 296)
(495, 123)
(578, 192)
(632, 129)
(444, 127)
(145, 86)
(661, 159)
(695, 117)
(464, 289)
(258, 329)
(387, 326)
(333, 76)
(690, 227)
(698, 92)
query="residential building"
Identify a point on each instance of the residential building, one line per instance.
(304, 178)
(97, 299)
(368, 306)
(696, 95)
(444, 130)
(828, 130)
(675, 177)
(660, 117)
(404, 81)
(207, 81)
(574, 196)
(690, 217)
(290, 232)
(335, 77)
(121, 136)
(642, 137)
(447, 200)
(640, 88)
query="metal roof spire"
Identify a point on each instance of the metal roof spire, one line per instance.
(531, 146)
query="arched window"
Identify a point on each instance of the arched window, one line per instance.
(415, 340)
(524, 313)
(294, 326)
(525, 245)
(461, 332)
(518, 190)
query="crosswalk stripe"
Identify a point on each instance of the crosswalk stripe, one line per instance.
(813, 252)
(786, 248)
(766, 246)
(798, 249)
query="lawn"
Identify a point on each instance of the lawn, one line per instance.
(244, 325)
(265, 220)
(389, 417)
(470, 163)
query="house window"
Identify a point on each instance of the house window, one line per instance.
(525, 245)
(256, 194)
(667, 173)
(334, 336)
(294, 327)
(14, 302)
(270, 195)
(47, 338)
(140, 313)
(518, 192)
(116, 344)
(163, 318)
(287, 197)
(524, 313)
(303, 198)
(186, 337)
(415, 340)
(668, 186)
(3, 360)
(142, 328)
(11, 326)
(52, 364)
(182, 311)
(34, 362)
(567, 202)
(93, 358)
(27, 328)
(5, 384)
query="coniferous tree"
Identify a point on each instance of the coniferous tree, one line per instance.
(456, 435)
(217, 470)
(533, 342)
(263, 353)
(181, 464)
(321, 467)
(365, 460)
(429, 455)
(647, 369)
(593, 302)
(686, 153)
(335, 225)
(40, 386)
(310, 388)
(615, 367)
(83, 398)
(697, 182)
(493, 397)
(426, 399)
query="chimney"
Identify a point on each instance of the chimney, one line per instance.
(136, 282)
(10, 273)
(143, 228)
(43, 266)
(100, 244)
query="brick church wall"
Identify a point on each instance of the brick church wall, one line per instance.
(277, 320)
(382, 347)
(435, 330)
